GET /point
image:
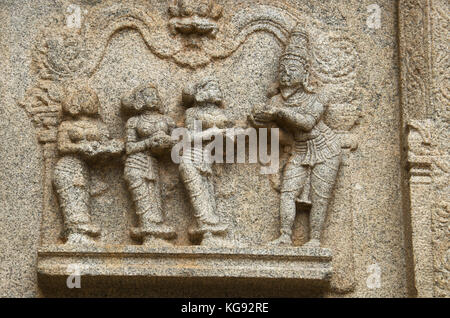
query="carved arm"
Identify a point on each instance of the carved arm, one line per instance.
(297, 118)
(132, 145)
(67, 146)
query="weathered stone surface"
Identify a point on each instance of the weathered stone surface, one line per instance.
(307, 265)
(93, 94)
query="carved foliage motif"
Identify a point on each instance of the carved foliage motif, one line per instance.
(440, 20)
(425, 67)
(414, 44)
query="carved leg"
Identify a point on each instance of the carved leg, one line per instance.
(287, 217)
(146, 195)
(200, 190)
(294, 180)
(142, 201)
(152, 222)
(323, 179)
(71, 180)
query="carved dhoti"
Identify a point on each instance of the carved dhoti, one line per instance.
(309, 178)
(313, 167)
(71, 183)
(142, 175)
(196, 175)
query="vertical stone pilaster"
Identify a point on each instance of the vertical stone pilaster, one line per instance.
(420, 153)
(425, 64)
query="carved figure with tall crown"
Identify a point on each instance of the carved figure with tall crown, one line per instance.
(311, 172)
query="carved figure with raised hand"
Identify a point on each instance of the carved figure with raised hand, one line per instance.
(311, 172)
(148, 136)
(83, 140)
(204, 100)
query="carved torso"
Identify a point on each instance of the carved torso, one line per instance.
(85, 130)
(319, 143)
(147, 126)
(209, 116)
(144, 127)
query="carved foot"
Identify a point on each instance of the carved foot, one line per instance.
(207, 232)
(283, 240)
(212, 240)
(83, 234)
(80, 239)
(160, 231)
(152, 241)
(312, 243)
(215, 229)
(306, 204)
(91, 230)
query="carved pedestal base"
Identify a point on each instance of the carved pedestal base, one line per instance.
(304, 267)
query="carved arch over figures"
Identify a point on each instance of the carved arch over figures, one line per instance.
(103, 22)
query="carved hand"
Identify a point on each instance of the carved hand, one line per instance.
(264, 116)
(160, 142)
(114, 146)
(208, 134)
(267, 114)
(90, 149)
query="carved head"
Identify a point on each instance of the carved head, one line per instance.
(207, 91)
(294, 63)
(293, 72)
(80, 100)
(143, 97)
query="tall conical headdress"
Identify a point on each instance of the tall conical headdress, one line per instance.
(298, 46)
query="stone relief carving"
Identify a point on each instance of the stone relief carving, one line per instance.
(311, 172)
(147, 136)
(204, 100)
(415, 72)
(440, 17)
(424, 61)
(440, 57)
(194, 17)
(192, 35)
(82, 140)
(430, 218)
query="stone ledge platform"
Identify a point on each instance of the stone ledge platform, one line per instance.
(312, 266)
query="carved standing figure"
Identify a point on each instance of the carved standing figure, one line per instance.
(311, 172)
(83, 139)
(204, 100)
(148, 136)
